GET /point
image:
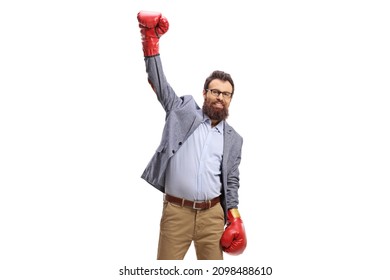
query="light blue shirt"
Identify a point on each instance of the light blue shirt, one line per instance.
(194, 172)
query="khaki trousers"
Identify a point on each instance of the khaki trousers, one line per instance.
(180, 226)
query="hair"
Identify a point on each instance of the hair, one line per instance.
(220, 75)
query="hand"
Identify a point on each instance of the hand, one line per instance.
(153, 25)
(233, 240)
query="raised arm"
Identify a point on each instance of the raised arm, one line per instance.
(152, 26)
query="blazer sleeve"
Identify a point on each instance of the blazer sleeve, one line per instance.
(156, 78)
(233, 178)
(233, 143)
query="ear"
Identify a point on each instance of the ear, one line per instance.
(204, 94)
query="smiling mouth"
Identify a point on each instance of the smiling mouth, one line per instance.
(218, 105)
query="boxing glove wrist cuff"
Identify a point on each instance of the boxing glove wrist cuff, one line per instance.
(235, 213)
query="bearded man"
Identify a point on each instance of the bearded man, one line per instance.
(196, 165)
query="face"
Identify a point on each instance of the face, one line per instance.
(216, 107)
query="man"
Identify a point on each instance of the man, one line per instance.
(196, 163)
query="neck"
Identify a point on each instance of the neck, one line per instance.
(214, 123)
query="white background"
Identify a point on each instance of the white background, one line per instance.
(79, 123)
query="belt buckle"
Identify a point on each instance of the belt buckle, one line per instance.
(207, 201)
(196, 208)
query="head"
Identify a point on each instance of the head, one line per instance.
(217, 93)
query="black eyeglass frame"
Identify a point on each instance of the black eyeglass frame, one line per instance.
(216, 92)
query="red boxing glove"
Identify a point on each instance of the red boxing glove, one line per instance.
(233, 240)
(153, 25)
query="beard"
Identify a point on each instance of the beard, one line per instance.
(217, 114)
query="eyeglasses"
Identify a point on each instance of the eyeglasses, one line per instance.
(217, 92)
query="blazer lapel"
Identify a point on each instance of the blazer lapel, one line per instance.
(195, 123)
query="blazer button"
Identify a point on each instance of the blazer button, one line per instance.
(173, 151)
(180, 143)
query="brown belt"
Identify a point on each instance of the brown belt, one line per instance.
(197, 205)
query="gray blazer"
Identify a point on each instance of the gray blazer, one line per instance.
(183, 116)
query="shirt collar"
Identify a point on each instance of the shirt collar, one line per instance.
(219, 127)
